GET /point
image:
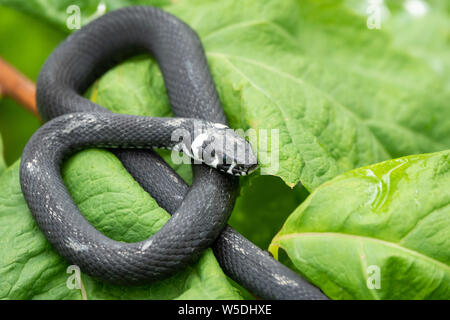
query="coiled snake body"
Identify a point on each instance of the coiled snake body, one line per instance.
(200, 212)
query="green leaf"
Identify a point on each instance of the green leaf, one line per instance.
(393, 215)
(342, 95)
(116, 205)
(141, 78)
(433, 45)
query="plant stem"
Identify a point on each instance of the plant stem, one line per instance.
(18, 87)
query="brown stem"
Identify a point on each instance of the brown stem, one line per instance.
(18, 87)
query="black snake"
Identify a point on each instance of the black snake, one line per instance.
(200, 212)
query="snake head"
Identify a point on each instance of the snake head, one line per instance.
(222, 148)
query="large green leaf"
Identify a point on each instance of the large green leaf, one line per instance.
(341, 95)
(394, 215)
(432, 48)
